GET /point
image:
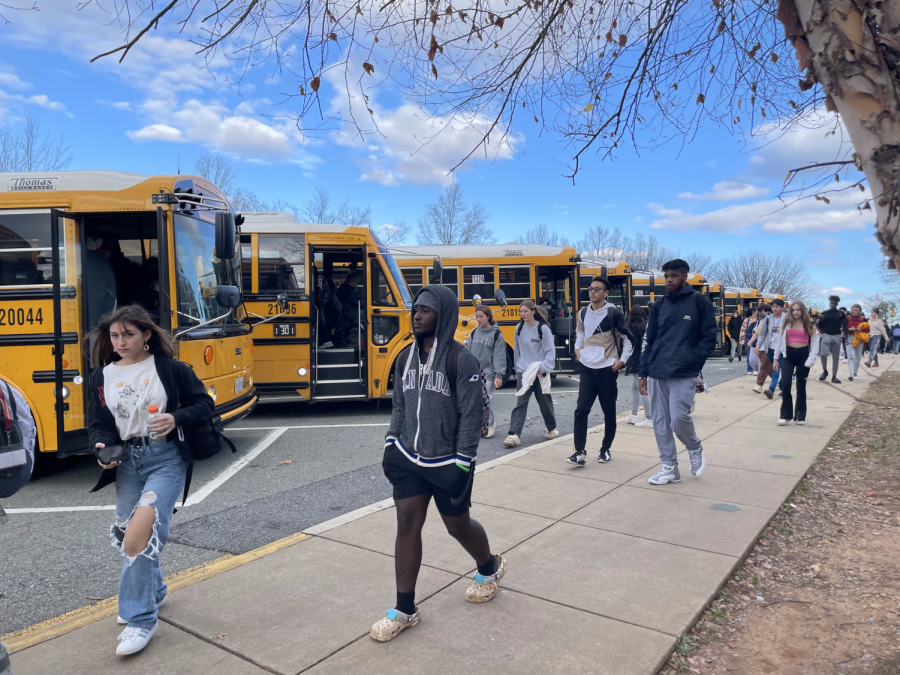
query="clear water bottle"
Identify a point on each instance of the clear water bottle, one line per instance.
(156, 439)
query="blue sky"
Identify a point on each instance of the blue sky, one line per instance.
(161, 107)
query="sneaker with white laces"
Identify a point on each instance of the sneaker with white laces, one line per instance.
(123, 622)
(134, 638)
(551, 434)
(782, 423)
(667, 474)
(631, 419)
(645, 423)
(698, 461)
(511, 441)
(577, 458)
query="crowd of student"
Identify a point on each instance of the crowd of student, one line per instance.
(148, 411)
(784, 346)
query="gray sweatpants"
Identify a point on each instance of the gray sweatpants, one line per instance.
(520, 412)
(832, 344)
(489, 386)
(671, 401)
(637, 398)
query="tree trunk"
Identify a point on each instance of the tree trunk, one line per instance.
(834, 39)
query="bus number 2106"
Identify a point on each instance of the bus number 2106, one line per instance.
(21, 316)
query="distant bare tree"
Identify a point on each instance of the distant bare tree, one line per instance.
(699, 262)
(604, 243)
(768, 273)
(890, 280)
(29, 151)
(217, 170)
(393, 234)
(451, 221)
(320, 208)
(544, 236)
(246, 201)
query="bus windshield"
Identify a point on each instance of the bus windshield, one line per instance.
(398, 276)
(198, 272)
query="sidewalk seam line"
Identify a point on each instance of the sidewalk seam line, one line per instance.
(218, 645)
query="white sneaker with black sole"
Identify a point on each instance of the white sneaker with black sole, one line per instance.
(577, 458)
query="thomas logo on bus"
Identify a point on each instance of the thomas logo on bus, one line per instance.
(37, 184)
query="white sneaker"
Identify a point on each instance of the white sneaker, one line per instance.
(511, 441)
(757, 389)
(632, 419)
(550, 435)
(133, 639)
(123, 622)
(490, 431)
(800, 422)
(782, 423)
(644, 424)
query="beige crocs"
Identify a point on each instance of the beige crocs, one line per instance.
(394, 623)
(483, 589)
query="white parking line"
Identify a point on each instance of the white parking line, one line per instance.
(63, 509)
(237, 465)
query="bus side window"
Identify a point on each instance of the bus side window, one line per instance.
(450, 279)
(382, 296)
(515, 281)
(414, 278)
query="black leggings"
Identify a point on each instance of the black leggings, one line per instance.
(795, 359)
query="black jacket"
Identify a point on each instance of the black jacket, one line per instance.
(187, 401)
(681, 334)
(833, 322)
(634, 361)
(734, 327)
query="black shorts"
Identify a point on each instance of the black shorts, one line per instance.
(450, 485)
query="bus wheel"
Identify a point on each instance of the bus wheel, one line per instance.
(45, 463)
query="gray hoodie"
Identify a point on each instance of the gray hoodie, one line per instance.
(430, 424)
(534, 343)
(489, 347)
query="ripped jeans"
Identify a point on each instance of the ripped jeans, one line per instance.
(147, 476)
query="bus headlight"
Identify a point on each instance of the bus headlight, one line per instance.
(212, 391)
(302, 372)
(65, 392)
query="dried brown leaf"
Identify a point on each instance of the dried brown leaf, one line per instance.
(314, 83)
(368, 67)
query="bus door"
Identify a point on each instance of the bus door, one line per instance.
(70, 375)
(385, 323)
(339, 359)
(557, 294)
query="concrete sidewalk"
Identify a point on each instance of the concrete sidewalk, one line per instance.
(605, 570)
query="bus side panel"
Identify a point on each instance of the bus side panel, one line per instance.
(275, 363)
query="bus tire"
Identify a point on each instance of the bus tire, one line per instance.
(44, 462)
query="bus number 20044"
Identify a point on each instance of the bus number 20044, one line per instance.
(21, 316)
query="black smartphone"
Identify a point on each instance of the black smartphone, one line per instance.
(109, 454)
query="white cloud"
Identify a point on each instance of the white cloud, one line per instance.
(639, 219)
(869, 240)
(727, 191)
(411, 146)
(156, 132)
(825, 291)
(45, 102)
(121, 105)
(805, 216)
(12, 81)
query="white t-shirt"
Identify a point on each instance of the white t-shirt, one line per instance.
(128, 387)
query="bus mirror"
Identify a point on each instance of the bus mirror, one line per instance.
(476, 300)
(282, 301)
(500, 297)
(225, 235)
(228, 296)
(437, 271)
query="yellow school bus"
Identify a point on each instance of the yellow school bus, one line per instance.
(308, 344)
(716, 294)
(75, 245)
(617, 273)
(546, 274)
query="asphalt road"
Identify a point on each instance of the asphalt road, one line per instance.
(313, 463)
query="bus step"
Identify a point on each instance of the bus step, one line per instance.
(339, 389)
(337, 371)
(341, 398)
(339, 357)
